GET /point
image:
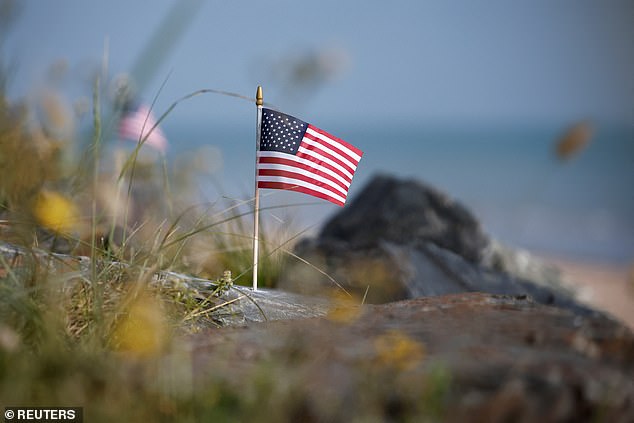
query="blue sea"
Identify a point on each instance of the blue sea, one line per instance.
(508, 176)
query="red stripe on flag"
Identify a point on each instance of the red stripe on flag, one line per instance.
(317, 164)
(322, 152)
(297, 188)
(325, 165)
(333, 146)
(292, 163)
(338, 140)
(302, 177)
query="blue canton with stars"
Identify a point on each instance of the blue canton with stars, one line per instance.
(281, 132)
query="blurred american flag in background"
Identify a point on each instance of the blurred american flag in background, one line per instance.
(139, 122)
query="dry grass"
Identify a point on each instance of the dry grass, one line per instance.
(101, 332)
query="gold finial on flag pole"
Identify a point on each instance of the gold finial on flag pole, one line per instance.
(256, 206)
(258, 96)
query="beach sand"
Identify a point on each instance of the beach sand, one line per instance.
(604, 286)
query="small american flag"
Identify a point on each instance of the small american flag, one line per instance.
(297, 156)
(137, 123)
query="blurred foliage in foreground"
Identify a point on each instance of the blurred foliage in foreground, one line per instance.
(107, 339)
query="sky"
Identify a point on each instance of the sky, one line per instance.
(348, 66)
(491, 62)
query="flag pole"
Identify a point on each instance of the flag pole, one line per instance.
(256, 207)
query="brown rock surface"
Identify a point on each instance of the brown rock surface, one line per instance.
(460, 357)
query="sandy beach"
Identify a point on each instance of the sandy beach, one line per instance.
(605, 286)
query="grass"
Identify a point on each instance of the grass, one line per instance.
(101, 332)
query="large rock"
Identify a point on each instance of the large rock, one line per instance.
(463, 357)
(402, 239)
(405, 213)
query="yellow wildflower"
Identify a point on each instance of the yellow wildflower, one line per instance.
(142, 332)
(345, 309)
(395, 348)
(56, 212)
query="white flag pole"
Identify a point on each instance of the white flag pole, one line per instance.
(256, 211)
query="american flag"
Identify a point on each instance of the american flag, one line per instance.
(297, 156)
(137, 123)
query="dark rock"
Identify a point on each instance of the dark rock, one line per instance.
(403, 239)
(405, 213)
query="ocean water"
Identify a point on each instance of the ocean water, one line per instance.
(507, 176)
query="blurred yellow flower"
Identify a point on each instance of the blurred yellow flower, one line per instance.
(142, 332)
(345, 309)
(395, 348)
(56, 212)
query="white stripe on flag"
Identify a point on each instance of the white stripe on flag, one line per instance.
(312, 175)
(354, 156)
(331, 152)
(301, 183)
(319, 157)
(316, 166)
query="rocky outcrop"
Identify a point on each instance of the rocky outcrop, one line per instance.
(462, 357)
(241, 306)
(405, 212)
(402, 239)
